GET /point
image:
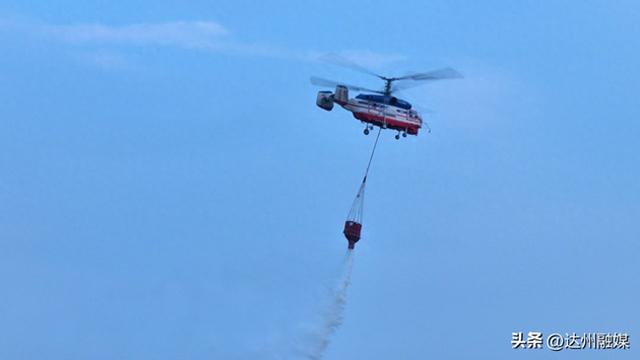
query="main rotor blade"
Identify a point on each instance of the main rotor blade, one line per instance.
(404, 85)
(330, 83)
(440, 74)
(344, 62)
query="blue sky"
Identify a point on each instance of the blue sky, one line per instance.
(169, 190)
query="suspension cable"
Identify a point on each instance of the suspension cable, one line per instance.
(371, 157)
(356, 212)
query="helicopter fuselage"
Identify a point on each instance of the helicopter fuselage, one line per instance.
(384, 115)
(387, 112)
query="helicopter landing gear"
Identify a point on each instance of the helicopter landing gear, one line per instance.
(398, 136)
(366, 131)
(404, 134)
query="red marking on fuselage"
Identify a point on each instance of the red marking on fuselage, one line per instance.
(388, 122)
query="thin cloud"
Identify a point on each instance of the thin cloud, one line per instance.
(106, 60)
(191, 35)
(187, 34)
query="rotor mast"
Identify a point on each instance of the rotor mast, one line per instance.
(387, 85)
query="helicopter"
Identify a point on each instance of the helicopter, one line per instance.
(379, 107)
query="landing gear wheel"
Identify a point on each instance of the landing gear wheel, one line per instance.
(397, 136)
(366, 131)
(404, 134)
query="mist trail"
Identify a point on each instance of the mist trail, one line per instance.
(332, 318)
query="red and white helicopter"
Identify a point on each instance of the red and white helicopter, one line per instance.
(379, 107)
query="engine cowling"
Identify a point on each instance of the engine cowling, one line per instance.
(325, 100)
